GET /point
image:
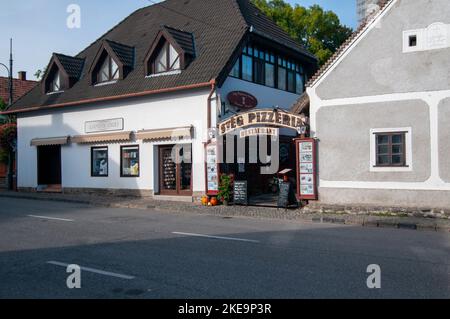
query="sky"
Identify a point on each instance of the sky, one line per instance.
(38, 27)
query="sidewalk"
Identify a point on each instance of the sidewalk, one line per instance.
(314, 214)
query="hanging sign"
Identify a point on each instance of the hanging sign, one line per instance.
(306, 169)
(212, 169)
(242, 100)
(277, 118)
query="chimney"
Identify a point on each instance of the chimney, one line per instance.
(22, 76)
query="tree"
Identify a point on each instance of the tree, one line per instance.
(319, 31)
(3, 105)
(40, 73)
(8, 137)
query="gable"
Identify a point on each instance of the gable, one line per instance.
(377, 63)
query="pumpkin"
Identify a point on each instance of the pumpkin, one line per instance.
(205, 200)
(214, 201)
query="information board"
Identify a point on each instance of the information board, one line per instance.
(212, 169)
(306, 169)
(240, 192)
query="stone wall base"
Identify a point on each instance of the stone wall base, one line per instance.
(109, 192)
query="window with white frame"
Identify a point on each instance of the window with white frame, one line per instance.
(390, 150)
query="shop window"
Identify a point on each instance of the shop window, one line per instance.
(175, 162)
(99, 161)
(129, 161)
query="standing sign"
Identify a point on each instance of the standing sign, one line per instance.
(212, 169)
(306, 169)
(240, 193)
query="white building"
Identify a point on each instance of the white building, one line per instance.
(110, 119)
(380, 111)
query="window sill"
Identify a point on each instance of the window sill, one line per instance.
(163, 74)
(405, 168)
(105, 83)
(56, 92)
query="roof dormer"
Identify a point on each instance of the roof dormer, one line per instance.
(112, 62)
(62, 73)
(172, 50)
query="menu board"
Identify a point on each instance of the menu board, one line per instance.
(212, 172)
(306, 161)
(240, 193)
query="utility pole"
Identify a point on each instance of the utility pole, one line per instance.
(11, 84)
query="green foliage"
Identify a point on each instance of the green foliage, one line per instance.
(321, 32)
(3, 104)
(40, 73)
(225, 188)
(8, 135)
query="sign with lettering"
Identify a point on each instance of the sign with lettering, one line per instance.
(279, 118)
(306, 169)
(240, 193)
(212, 169)
(104, 126)
(256, 131)
(242, 100)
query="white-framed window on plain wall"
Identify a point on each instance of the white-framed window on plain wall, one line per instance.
(391, 150)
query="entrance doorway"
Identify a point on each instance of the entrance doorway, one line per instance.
(175, 170)
(49, 165)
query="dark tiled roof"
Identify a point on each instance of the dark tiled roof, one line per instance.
(383, 4)
(264, 26)
(20, 87)
(184, 39)
(72, 66)
(217, 26)
(301, 105)
(125, 53)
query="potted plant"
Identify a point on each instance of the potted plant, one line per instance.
(225, 189)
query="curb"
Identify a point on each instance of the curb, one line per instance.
(313, 218)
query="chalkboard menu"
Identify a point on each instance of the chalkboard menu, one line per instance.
(286, 196)
(240, 193)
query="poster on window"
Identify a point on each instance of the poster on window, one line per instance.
(306, 169)
(212, 171)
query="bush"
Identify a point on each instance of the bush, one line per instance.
(225, 188)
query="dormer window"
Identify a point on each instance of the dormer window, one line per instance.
(167, 60)
(109, 71)
(172, 51)
(113, 62)
(62, 73)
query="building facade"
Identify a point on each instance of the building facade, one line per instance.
(133, 112)
(379, 110)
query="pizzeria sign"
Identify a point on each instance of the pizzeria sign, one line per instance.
(277, 118)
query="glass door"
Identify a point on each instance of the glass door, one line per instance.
(175, 163)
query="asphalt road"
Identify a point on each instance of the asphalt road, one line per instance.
(149, 254)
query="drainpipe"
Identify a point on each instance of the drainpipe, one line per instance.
(208, 124)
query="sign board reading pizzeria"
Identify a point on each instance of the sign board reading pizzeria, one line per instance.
(278, 118)
(306, 169)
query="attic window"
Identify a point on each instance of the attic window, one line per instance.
(412, 41)
(109, 71)
(55, 83)
(167, 60)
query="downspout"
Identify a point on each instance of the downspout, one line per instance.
(208, 124)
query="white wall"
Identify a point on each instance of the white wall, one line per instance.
(154, 112)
